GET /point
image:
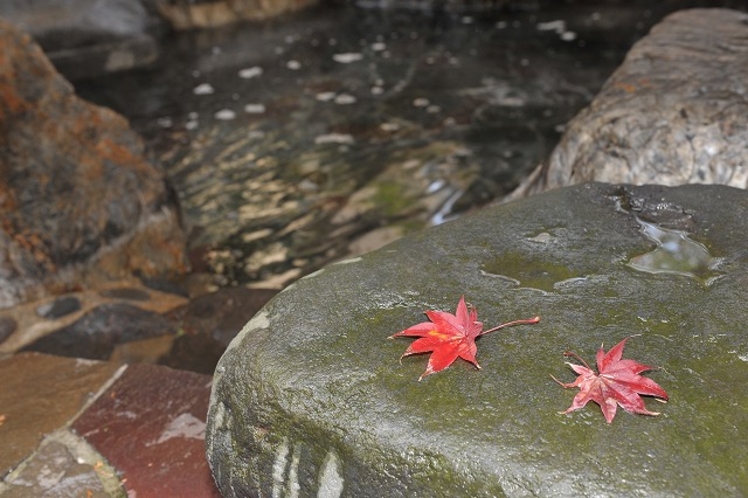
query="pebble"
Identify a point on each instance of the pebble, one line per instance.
(203, 89)
(334, 138)
(225, 115)
(347, 58)
(344, 99)
(254, 108)
(325, 96)
(250, 72)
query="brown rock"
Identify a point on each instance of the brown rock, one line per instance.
(79, 202)
(212, 13)
(29, 323)
(673, 113)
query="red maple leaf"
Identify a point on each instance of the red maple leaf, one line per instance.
(448, 336)
(618, 383)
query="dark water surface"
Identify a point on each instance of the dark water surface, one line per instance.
(299, 141)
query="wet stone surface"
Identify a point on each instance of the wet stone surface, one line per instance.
(59, 307)
(101, 319)
(310, 396)
(54, 471)
(73, 215)
(147, 417)
(72, 427)
(675, 253)
(208, 324)
(7, 327)
(31, 403)
(126, 293)
(95, 335)
(134, 324)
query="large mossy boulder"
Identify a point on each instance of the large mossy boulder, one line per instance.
(311, 400)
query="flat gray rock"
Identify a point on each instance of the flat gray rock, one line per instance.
(674, 112)
(311, 400)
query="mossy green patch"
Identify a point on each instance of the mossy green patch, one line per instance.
(529, 271)
(391, 197)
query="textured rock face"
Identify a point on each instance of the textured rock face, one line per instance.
(78, 200)
(310, 397)
(673, 113)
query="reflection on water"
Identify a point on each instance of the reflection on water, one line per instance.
(675, 253)
(296, 142)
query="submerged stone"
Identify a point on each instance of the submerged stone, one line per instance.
(310, 398)
(95, 335)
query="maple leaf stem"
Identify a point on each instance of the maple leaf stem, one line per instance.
(527, 321)
(562, 384)
(572, 354)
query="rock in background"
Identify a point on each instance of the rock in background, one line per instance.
(85, 38)
(673, 113)
(79, 201)
(214, 13)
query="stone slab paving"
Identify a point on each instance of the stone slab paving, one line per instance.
(55, 470)
(151, 425)
(71, 427)
(39, 394)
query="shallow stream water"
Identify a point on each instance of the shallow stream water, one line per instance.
(309, 138)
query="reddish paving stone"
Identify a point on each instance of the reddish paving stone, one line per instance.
(150, 425)
(39, 394)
